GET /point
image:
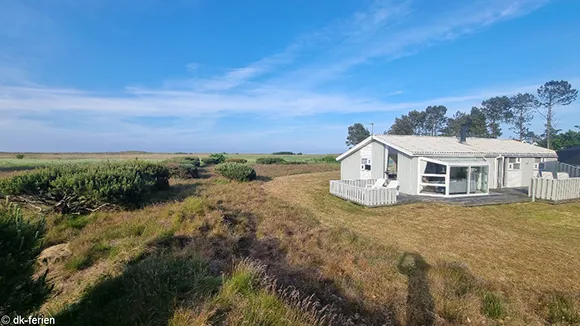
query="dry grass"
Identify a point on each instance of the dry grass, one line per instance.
(524, 251)
(415, 264)
(275, 170)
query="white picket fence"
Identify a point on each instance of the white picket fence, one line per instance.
(360, 192)
(554, 189)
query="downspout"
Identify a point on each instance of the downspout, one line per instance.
(500, 185)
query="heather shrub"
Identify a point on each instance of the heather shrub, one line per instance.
(270, 160)
(193, 160)
(214, 159)
(182, 171)
(20, 245)
(75, 188)
(236, 171)
(236, 160)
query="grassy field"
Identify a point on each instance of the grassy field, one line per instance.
(9, 162)
(277, 250)
(524, 253)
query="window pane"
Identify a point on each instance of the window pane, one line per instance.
(458, 180)
(516, 166)
(434, 168)
(478, 181)
(434, 190)
(433, 180)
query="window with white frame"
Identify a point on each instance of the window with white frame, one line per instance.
(365, 164)
(514, 163)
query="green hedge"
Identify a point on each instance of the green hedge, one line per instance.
(182, 171)
(74, 188)
(270, 160)
(236, 171)
(20, 245)
(236, 160)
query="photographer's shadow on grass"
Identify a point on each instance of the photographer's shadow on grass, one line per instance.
(420, 302)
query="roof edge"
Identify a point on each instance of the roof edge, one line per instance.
(356, 147)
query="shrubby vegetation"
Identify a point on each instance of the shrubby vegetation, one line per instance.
(79, 188)
(183, 167)
(236, 171)
(182, 171)
(327, 159)
(19, 156)
(236, 160)
(283, 153)
(193, 160)
(20, 245)
(270, 160)
(214, 159)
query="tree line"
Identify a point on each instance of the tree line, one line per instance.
(485, 121)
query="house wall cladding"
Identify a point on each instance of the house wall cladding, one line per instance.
(350, 167)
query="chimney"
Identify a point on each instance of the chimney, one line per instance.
(463, 134)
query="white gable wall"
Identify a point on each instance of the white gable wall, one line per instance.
(350, 167)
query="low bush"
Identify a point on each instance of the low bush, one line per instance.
(214, 159)
(193, 160)
(283, 153)
(82, 188)
(236, 171)
(182, 171)
(236, 160)
(19, 156)
(270, 160)
(327, 159)
(20, 245)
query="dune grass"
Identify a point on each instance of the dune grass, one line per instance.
(309, 258)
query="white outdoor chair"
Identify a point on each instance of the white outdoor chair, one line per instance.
(562, 175)
(394, 185)
(378, 184)
(547, 175)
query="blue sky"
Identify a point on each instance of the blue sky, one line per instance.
(261, 75)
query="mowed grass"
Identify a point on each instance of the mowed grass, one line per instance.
(527, 255)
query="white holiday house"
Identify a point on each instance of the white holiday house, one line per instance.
(445, 166)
